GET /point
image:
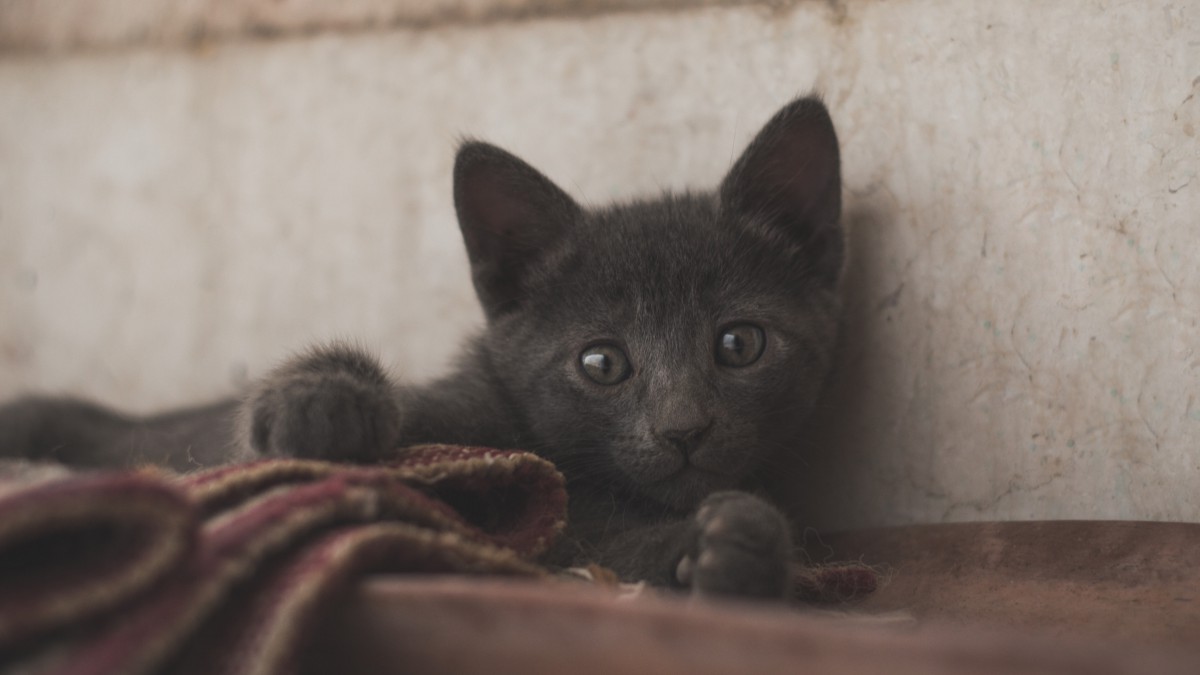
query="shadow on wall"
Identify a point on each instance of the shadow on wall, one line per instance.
(823, 479)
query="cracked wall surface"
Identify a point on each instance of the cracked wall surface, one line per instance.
(1023, 316)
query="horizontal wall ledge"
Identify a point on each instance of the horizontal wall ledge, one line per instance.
(65, 26)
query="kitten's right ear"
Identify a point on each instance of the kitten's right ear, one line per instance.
(510, 215)
(789, 180)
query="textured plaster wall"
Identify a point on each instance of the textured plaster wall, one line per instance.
(1023, 328)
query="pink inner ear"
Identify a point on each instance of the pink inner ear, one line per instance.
(802, 169)
(510, 215)
(791, 167)
(492, 207)
(789, 181)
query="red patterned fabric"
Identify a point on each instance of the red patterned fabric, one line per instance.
(224, 571)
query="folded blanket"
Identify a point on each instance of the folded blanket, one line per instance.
(224, 571)
(75, 547)
(227, 571)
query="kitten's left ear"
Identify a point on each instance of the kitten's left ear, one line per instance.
(510, 215)
(789, 179)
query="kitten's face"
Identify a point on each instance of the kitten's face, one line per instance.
(668, 349)
(672, 346)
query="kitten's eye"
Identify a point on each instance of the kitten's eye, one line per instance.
(740, 345)
(605, 364)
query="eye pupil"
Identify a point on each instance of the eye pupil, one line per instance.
(598, 362)
(740, 345)
(605, 364)
(732, 343)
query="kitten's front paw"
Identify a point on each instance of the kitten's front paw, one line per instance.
(742, 547)
(334, 404)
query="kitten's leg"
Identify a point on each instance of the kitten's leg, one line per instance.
(734, 544)
(83, 434)
(59, 429)
(738, 544)
(335, 402)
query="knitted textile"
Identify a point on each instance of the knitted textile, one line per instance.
(225, 570)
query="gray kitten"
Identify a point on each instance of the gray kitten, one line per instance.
(665, 353)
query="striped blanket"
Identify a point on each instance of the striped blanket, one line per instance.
(225, 571)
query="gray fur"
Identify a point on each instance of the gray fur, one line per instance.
(663, 466)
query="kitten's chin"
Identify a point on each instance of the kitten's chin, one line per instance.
(686, 488)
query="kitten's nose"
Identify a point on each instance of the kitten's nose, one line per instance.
(684, 439)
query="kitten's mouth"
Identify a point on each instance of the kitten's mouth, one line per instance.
(694, 468)
(676, 480)
(690, 471)
(689, 484)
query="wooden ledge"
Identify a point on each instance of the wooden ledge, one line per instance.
(65, 26)
(1103, 598)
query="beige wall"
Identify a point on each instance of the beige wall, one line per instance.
(1024, 291)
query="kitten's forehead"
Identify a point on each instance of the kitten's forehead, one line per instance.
(667, 256)
(666, 272)
(674, 245)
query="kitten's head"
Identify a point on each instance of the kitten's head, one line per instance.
(673, 345)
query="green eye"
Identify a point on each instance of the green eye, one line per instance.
(605, 364)
(739, 346)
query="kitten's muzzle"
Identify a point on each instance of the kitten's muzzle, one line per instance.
(683, 440)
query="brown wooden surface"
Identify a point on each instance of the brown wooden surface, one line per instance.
(1057, 597)
(1128, 581)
